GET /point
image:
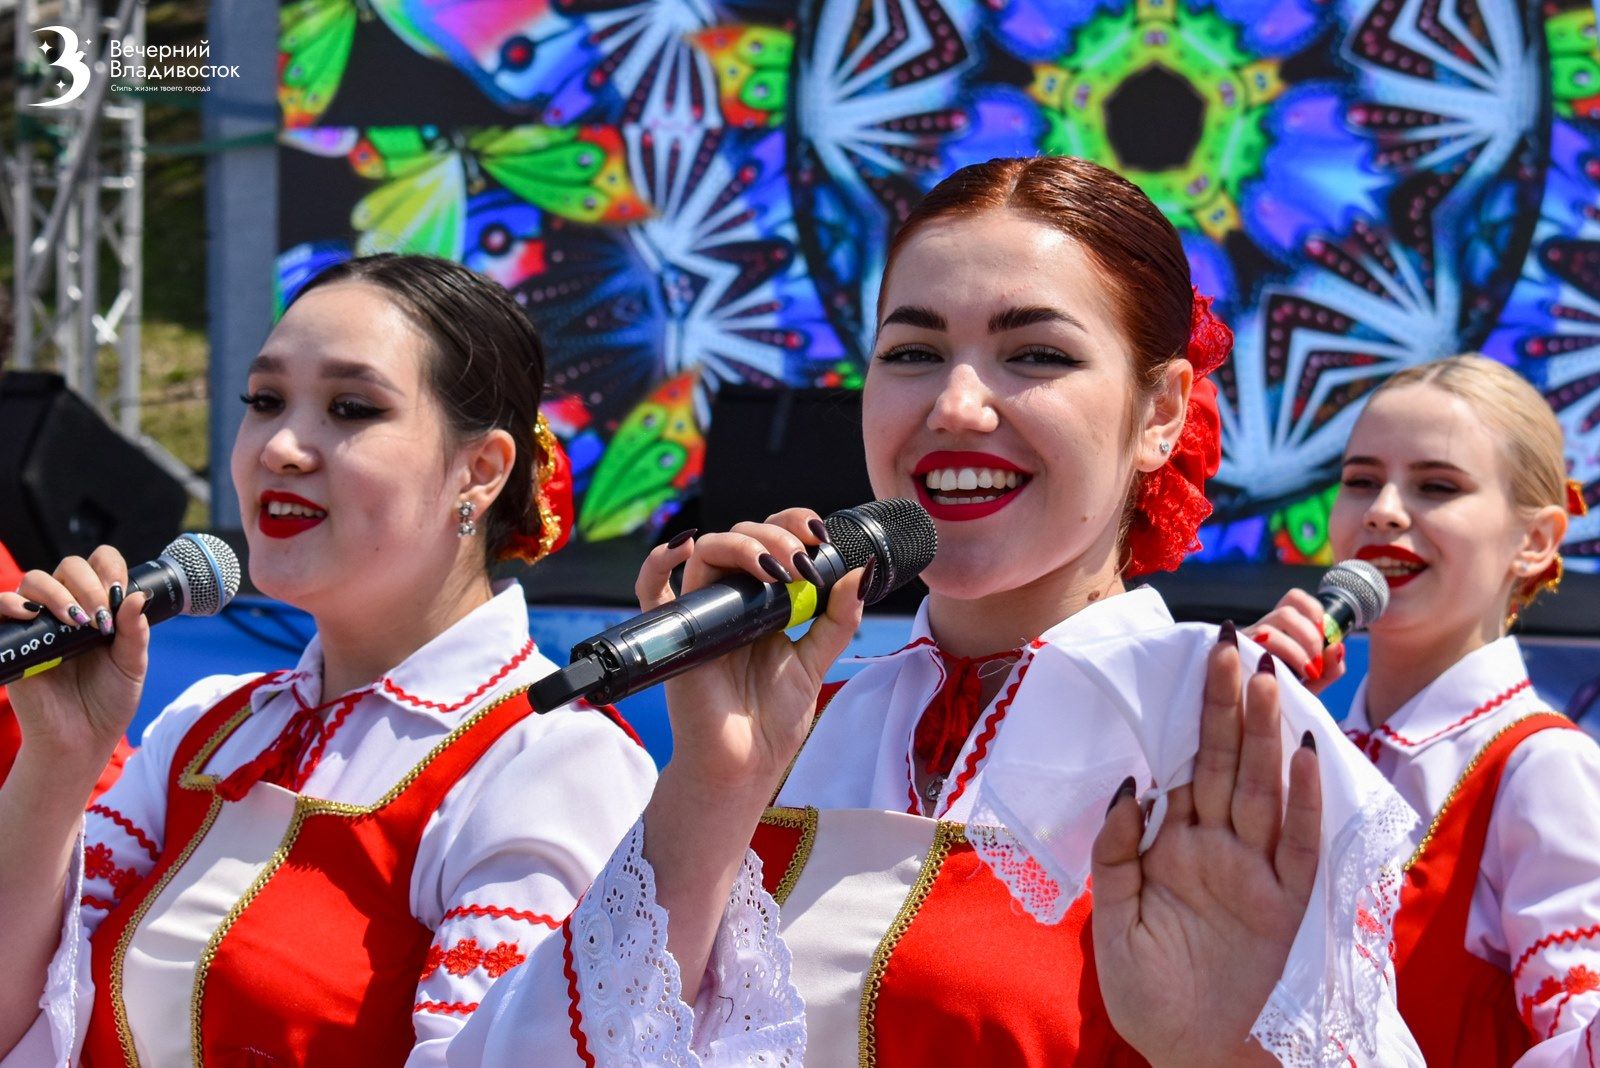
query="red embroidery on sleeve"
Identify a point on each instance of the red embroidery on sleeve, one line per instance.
(98, 903)
(1482, 710)
(506, 669)
(501, 959)
(127, 825)
(452, 1008)
(499, 913)
(1578, 980)
(463, 957)
(573, 1012)
(1569, 935)
(98, 862)
(431, 962)
(124, 881)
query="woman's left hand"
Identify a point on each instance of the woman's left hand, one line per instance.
(1191, 936)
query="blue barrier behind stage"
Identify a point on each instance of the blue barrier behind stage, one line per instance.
(257, 634)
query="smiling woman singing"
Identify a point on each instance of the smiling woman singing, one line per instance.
(326, 865)
(1038, 382)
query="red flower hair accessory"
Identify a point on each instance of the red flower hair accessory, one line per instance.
(553, 493)
(1172, 500)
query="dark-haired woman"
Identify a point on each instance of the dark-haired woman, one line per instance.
(327, 865)
(1038, 383)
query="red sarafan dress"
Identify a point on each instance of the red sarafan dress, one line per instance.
(284, 878)
(876, 922)
(1497, 941)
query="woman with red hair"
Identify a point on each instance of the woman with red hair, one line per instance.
(1039, 383)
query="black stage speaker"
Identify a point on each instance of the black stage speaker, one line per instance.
(70, 482)
(771, 449)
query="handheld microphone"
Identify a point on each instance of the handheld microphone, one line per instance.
(734, 611)
(196, 575)
(1353, 594)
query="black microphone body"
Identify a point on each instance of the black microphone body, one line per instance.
(170, 584)
(733, 611)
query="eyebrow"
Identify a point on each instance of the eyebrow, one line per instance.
(1420, 465)
(331, 369)
(1000, 322)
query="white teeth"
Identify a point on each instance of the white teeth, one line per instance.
(949, 480)
(280, 509)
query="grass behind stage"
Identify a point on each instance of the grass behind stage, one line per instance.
(174, 396)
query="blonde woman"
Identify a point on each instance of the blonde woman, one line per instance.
(1454, 485)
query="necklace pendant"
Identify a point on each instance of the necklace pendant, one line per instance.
(935, 787)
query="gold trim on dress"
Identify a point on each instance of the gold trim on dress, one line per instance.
(1472, 765)
(119, 954)
(945, 836)
(805, 821)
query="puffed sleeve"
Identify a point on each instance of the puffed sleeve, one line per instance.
(606, 991)
(1542, 859)
(503, 861)
(120, 842)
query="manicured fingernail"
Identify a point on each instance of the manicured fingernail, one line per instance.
(1228, 633)
(808, 570)
(116, 597)
(77, 615)
(102, 619)
(867, 574)
(1313, 670)
(1308, 742)
(819, 530)
(682, 536)
(770, 565)
(1267, 666)
(32, 606)
(1125, 790)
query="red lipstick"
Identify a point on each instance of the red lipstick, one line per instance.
(1399, 566)
(286, 526)
(945, 460)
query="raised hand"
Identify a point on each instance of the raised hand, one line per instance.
(1191, 937)
(1292, 632)
(81, 707)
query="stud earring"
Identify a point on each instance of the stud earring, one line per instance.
(466, 528)
(1165, 447)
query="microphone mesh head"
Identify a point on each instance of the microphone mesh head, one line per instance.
(1365, 586)
(898, 533)
(210, 570)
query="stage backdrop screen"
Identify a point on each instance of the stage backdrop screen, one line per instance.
(686, 193)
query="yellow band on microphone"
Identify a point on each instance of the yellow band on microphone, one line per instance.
(802, 603)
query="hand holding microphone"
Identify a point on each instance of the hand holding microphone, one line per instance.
(1307, 631)
(72, 702)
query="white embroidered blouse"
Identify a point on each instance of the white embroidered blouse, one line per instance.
(1536, 908)
(1111, 691)
(500, 863)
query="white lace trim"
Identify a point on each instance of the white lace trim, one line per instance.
(630, 990)
(1341, 1020)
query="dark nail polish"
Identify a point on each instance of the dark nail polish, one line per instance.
(77, 615)
(868, 573)
(808, 570)
(117, 597)
(1267, 666)
(102, 620)
(1125, 790)
(1307, 741)
(819, 530)
(1228, 633)
(770, 565)
(682, 536)
(32, 606)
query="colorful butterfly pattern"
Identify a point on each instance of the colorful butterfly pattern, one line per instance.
(690, 193)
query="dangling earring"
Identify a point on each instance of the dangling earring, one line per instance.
(466, 528)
